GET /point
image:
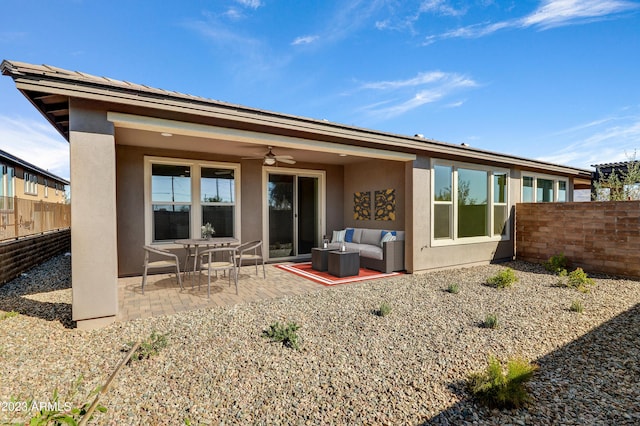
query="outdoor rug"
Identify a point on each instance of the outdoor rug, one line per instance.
(324, 278)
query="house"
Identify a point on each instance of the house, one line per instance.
(31, 198)
(149, 166)
(23, 180)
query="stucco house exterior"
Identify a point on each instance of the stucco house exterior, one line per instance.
(149, 166)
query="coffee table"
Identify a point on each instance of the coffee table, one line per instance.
(343, 263)
(319, 259)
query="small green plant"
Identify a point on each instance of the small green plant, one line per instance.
(453, 288)
(497, 388)
(60, 412)
(577, 279)
(490, 321)
(149, 347)
(576, 306)
(286, 334)
(503, 279)
(556, 263)
(383, 310)
(9, 314)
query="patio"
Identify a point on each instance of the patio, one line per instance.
(164, 297)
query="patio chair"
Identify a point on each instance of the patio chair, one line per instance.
(251, 251)
(218, 259)
(168, 260)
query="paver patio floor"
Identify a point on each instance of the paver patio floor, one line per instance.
(163, 296)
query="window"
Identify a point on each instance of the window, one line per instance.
(217, 198)
(182, 195)
(171, 201)
(30, 183)
(470, 203)
(543, 189)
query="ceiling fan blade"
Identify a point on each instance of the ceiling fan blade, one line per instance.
(284, 157)
(285, 160)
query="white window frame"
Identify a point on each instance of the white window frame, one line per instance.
(556, 187)
(30, 183)
(453, 223)
(196, 204)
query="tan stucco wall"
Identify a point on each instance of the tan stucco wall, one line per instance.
(372, 176)
(130, 206)
(93, 217)
(419, 253)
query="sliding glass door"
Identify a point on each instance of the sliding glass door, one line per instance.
(294, 214)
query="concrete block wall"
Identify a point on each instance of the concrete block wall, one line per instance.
(599, 237)
(18, 256)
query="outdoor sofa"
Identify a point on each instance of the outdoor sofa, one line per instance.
(382, 250)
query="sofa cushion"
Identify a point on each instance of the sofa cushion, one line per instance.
(371, 251)
(400, 235)
(357, 235)
(370, 236)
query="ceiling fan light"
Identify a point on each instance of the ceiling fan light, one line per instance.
(268, 161)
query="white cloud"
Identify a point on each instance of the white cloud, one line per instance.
(405, 95)
(604, 140)
(549, 14)
(36, 142)
(440, 7)
(253, 4)
(304, 40)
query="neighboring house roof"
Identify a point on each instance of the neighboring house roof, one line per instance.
(50, 88)
(5, 156)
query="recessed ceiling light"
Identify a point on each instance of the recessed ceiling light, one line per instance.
(165, 134)
(342, 155)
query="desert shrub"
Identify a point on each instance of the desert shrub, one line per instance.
(453, 288)
(283, 333)
(9, 314)
(503, 279)
(497, 388)
(57, 411)
(576, 306)
(577, 279)
(149, 347)
(556, 264)
(383, 310)
(490, 321)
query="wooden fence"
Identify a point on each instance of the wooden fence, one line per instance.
(20, 217)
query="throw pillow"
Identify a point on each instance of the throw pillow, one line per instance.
(348, 235)
(382, 234)
(387, 237)
(338, 236)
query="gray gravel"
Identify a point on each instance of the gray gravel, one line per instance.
(353, 367)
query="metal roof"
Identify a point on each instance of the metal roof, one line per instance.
(50, 88)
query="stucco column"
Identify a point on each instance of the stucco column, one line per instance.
(93, 228)
(418, 223)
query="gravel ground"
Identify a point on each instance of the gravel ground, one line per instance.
(354, 367)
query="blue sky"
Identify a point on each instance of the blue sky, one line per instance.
(556, 80)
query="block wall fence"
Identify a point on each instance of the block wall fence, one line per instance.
(601, 237)
(18, 256)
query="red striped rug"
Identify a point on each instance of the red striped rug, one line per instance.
(324, 278)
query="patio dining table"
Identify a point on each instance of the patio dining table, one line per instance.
(206, 242)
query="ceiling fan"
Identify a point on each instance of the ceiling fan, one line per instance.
(269, 159)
